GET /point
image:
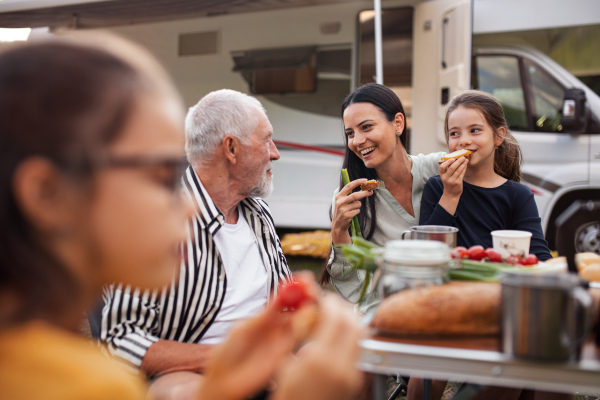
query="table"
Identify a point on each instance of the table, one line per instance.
(477, 360)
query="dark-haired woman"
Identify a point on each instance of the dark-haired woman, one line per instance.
(374, 126)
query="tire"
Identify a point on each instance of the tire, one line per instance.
(587, 238)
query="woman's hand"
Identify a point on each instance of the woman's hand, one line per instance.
(347, 206)
(325, 367)
(452, 173)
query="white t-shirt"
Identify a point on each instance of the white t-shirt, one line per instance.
(247, 290)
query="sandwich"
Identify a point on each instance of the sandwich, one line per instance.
(456, 155)
(370, 185)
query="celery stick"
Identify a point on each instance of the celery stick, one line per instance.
(354, 225)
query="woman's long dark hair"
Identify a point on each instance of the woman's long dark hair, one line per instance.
(64, 102)
(388, 102)
(508, 158)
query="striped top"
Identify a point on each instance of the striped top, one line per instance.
(133, 319)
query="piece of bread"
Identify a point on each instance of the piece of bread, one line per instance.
(370, 185)
(456, 155)
(588, 266)
(454, 308)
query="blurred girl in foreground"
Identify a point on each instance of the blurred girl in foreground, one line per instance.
(91, 143)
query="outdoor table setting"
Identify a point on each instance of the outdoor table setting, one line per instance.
(510, 325)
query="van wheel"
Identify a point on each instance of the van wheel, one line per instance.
(587, 238)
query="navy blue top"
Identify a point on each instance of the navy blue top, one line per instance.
(482, 210)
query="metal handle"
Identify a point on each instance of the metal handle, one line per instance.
(584, 299)
(444, 24)
(404, 233)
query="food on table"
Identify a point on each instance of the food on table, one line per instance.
(454, 308)
(478, 253)
(361, 254)
(456, 155)
(588, 266)
(370, 185)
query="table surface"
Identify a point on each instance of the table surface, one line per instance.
(478, 360)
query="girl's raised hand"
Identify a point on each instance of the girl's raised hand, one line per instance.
(347, 205)
(452, 173)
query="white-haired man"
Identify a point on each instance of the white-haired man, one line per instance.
(232, 260)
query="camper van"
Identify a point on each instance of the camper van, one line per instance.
(301, 58)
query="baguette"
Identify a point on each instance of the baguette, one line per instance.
(370, 185)
(456, 155)
(454, 308)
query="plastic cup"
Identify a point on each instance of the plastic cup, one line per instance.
(511, 243)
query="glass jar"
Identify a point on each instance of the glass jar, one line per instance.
(412, 263)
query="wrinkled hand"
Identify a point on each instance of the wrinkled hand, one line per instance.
(326, 367)
(347, 206)
(452, 173)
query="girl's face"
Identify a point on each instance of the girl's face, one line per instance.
(468, 129)
(137, 213)
(370, 135)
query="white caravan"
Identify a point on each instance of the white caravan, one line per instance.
(301, 59)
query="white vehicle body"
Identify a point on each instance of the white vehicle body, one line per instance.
(560, 167)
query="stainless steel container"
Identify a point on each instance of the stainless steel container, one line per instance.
(544, 317)
(440, 233)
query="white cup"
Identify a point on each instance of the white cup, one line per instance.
(510, 243)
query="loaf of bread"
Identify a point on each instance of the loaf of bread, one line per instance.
(370, 185)
(454, 308)
(588, 266)
(456, 155)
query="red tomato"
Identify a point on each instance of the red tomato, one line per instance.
(293, 294)
(531, 259)
(493, 256)
(460, 252)
(476, 253)
(514, 259)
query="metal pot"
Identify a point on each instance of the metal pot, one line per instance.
(544, 317)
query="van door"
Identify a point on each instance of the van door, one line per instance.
(595, 161)
(442, 65)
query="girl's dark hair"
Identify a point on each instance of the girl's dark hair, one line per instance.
(388, 102)
(64, 102)
(508, 158)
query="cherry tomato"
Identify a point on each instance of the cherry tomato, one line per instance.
(493, 256)
(293, 294)
(514, 259)
(476, 253)
(460, 252)
(531, 259)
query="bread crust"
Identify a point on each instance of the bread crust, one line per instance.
(370, 185)
(456, 155)
(454, 308)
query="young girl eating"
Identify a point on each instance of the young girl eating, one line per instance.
(482, 194)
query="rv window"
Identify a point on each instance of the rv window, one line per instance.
(281, 70)
(500, 76)
(547, 99)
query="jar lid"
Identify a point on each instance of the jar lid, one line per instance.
(416, 252)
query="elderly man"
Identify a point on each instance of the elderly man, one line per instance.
(231, 262)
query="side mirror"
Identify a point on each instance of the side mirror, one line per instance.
(574, 112)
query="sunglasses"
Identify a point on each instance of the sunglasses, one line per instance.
(170, 169)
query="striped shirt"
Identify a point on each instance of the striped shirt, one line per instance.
(133, 319)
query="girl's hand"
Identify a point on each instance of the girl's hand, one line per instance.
(452, 173)
(325, 368)
(347, 206)
(251, 354)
